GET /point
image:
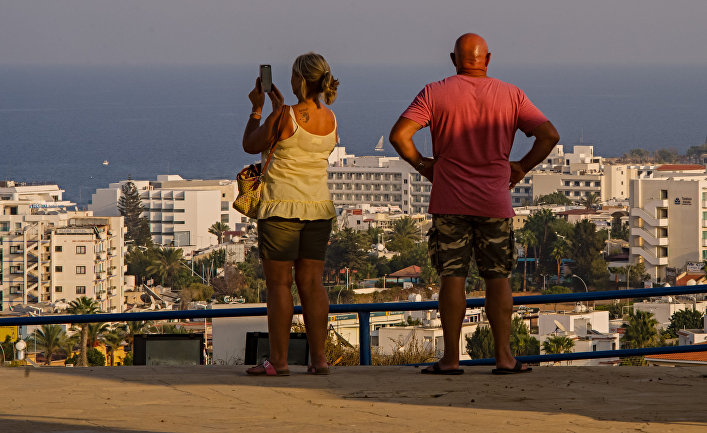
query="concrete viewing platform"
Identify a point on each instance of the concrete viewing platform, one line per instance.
(352, 399)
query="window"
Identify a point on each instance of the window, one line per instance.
(225, 206)
(58, 249)
(80, 249)
(80, 269)
(58, 289)
(4, 226)
(16, 269)
(80, 290)
(224, 218)
(58, 269)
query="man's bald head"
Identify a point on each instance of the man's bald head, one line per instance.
(471, 54)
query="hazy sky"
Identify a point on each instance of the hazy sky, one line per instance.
(355, 31)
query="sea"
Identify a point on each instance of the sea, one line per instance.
(60, 123)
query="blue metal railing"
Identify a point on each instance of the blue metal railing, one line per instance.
(364, 310)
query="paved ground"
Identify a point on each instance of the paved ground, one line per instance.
(352, 399)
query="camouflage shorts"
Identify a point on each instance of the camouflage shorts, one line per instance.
(455, 239)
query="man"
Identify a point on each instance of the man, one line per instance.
(473, 119)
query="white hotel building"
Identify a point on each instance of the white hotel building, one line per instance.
(180, 211)
(668, 219)
(378, 181)
(49, 254)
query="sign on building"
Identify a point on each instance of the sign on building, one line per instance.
(692, 267)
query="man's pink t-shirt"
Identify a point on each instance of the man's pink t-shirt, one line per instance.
(473, 122)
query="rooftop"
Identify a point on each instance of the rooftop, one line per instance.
(352, 399)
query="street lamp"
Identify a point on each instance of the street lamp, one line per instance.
(585, 288)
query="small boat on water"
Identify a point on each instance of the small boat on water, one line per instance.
(379, 146)
(105, 163)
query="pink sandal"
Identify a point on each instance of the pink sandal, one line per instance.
(268, 370)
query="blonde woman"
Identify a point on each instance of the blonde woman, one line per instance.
(296, 212)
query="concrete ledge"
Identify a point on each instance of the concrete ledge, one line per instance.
(352, 399)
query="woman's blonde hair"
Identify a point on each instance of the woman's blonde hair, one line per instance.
(317, 78)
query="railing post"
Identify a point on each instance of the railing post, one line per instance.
(364, 336)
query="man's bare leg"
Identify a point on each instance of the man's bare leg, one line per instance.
(452, 307)
(499, 309)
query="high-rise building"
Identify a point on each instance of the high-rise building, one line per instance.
(668, 219)
(49, 254)
(378, 181)
(180, 211)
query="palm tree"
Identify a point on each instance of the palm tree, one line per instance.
(68, 344)
(527, 239)
(172, 328)
(113, 339)
(405, 234)
(50, 340)
(559, 250)
(218, 229)
(558, 344)
(590, 201)
(83, 305)
(166, 264)
(641, 330)
(95, 330)
(133, 328)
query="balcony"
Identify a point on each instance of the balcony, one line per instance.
(648, 237)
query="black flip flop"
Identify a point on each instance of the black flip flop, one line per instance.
(517, 369)
(436, 369)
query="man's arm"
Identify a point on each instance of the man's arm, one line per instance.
(401, 139)
(546, 137)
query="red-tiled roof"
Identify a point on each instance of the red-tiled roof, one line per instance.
(410, 271)
(688, 356)
(678, 167)
(682, 281)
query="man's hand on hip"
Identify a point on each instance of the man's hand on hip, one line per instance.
(517, 174)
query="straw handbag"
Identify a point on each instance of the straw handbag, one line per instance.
(250, 182)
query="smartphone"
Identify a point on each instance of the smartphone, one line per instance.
(266, 78)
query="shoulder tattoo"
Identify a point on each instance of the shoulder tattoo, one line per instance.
(305, 114)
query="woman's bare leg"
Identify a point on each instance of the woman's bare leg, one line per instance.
(278, 279)
(315, 306)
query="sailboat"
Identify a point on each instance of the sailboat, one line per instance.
(105, 163)
(379, 146)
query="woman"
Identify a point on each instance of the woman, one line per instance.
(296, 212)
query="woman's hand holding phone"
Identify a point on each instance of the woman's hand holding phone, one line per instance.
(257, 96)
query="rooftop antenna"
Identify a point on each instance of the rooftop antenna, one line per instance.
(559, 326)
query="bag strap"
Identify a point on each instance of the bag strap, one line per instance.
(283, 110)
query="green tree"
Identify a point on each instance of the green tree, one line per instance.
(132, 328)
(218, 229)
(8, 348)
(373, 235)
(138, 261)
(590, 201)
(586, 246)
(527, 239)
(558, 344)
(684, 319)
(131, 208)
(166, 264)
(554, 198)
(480, 344)
(95, 330)
(666, 155)
(522, 343)
(94, 358)
(560, 250)
(195, 292)
(171, 328)
(404, 236)
(81, 306)
(49, 339)
(346, 249)
(542, 225)
(113, 339)
(640, 331)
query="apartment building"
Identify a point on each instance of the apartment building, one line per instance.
(180, 211)
(576, 175)
(668, 220)
(377, 180)
(51, 255)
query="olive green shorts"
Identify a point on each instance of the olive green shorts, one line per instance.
(454, 240)
(291, 239)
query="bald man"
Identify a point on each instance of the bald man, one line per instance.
(473, 119)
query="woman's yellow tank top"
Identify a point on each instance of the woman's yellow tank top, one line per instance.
(295, 182)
